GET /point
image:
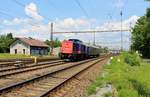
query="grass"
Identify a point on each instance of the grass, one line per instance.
(7, 55)
(128, 74)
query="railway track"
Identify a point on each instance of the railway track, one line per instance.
(15, 70)
(66, 78)
(20, 76)
(10, 78)
(42, 84)
(11, 62)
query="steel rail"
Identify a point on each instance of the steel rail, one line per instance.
(29, 66)
(31, 69)
(7, 64)
(58, 85)
(11, 62)
(36, 78)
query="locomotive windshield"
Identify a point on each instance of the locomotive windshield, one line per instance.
(75, 40)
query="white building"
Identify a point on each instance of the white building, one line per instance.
(28, 46)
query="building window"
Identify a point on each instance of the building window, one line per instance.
(24, 51)
(15, 51)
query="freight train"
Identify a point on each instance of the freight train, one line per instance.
(75, 49)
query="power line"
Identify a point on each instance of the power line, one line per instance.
(115, 42)
(84, 11)
(19, 3)
(53, 5)
(91, 31)
(23, 5)
(7, 14)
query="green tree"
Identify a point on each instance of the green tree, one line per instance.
(5, 41)
(104, 49)
(56, 43)
(141, 35)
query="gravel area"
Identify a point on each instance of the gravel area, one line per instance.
(76, 87)
(30, 74)
(102, 91)
(36, 88)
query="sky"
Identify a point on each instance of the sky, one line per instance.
(32, 18)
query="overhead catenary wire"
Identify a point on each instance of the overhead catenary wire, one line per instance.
(91, 31)
(23, 5)
(116, 42)
(85, 12)
(6, 14)
(54, 6)
(12, 16)
(82, 8)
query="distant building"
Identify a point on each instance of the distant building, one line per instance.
(28, 46)
(114, 51)
(56, 51)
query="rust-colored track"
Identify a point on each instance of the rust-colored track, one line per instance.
(17, 70)
(43, 84)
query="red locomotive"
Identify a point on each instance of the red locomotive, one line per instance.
(75, 49)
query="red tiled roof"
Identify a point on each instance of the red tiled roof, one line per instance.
(33, 42)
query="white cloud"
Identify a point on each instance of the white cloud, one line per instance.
(132, 20)
(126, 24)
(72, 24)
(25, 28)
(32, 11)
(114, 37)
(119, 4)
(42, 31)
(16, 21)
(68, 24)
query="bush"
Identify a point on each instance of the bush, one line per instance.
(128, 93)
(92, 88)
(141, 88)
(108, 95)
(129, 76)
(132, 59)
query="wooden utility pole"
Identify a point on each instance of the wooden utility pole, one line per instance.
(51, 39)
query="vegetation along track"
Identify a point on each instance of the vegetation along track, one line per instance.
(43, 84)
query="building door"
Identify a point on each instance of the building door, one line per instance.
(24, 52)
(15, 51)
